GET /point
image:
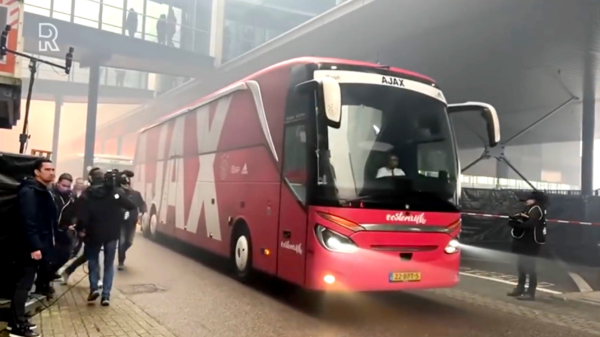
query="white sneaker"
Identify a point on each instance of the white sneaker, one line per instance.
(65, 278)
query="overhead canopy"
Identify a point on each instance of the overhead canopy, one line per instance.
(525, 57)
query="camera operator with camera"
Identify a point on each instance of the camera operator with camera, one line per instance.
(100, 216)
(130, 221)
(529, 234)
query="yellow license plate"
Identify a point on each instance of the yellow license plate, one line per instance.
(405, 277)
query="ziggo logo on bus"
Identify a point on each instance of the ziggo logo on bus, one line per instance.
(412, 218)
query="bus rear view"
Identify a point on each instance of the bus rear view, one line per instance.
(383, 181)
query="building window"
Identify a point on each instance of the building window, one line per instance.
(87, 13)
(40, 7)
(61, 10)
(112, 16)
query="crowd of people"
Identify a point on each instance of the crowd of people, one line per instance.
(58, 220)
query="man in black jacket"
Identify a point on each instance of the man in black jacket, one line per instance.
(39, 224)
(100, 215)
(65, 204)
(130, 222)
(529, 234)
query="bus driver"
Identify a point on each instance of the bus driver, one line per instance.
(391, 169)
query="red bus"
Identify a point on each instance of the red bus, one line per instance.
(284, 172)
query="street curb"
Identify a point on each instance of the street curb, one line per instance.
(590, 298)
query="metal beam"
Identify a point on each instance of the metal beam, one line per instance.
(534, 124)
(58, 102)
(92, 111)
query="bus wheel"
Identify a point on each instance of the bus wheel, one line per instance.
(145, 223)
(153, 225)
(242, 253)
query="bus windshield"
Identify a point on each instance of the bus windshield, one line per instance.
(394, 147)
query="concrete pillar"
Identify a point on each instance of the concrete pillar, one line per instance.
(92, 111)
(588, 118)
(588, 122)
(55, 134)
(119, 145)
(217, 23)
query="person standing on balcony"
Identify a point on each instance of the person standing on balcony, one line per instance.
(120, 77)
(171, 27)
(131, 24)
(161, 29)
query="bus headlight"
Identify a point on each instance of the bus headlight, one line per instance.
(334, 241)
(452, 247)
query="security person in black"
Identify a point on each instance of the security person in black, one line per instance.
(130, 221)
(529, 234)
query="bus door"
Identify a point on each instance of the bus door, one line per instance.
(291, 256)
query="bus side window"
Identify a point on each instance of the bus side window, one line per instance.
(294, 163)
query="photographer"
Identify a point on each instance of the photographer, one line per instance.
(129, 222)
(100, 215)
(529, 234)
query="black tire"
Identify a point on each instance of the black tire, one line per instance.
(241, 253)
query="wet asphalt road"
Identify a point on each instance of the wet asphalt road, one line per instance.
(199, 299)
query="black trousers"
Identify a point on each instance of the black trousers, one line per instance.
(527, 268)
(126, 240)
(25, 271)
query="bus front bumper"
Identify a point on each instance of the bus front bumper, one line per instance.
(368, 270)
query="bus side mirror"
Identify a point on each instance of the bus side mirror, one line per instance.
(330, 98)
(332, 101)
(489, 114)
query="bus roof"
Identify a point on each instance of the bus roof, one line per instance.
(102, 156)
(299, 60)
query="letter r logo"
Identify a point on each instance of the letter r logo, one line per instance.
(47, 35)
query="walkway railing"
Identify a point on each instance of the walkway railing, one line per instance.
(108, 76)
(511, 184)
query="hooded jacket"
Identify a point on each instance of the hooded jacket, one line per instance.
(39, 216)
(100, 213)
(65, 204)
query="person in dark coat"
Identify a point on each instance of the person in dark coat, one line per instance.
(78, 187)
(65, 204)
(529, 234)
(39, 224)
(100, 215)
(131, 23)
(161, 29)
(131, 220)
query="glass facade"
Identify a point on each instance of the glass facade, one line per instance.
(249, 24)
(151, 20)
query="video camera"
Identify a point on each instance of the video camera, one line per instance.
(115, 178)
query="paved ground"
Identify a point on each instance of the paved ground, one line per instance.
(71, 316)
(170, 289)
(551, 274)
(209, 303)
